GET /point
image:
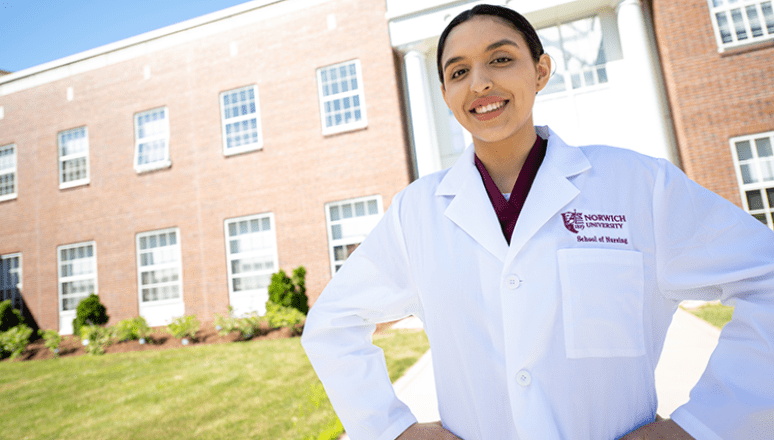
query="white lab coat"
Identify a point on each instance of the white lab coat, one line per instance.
(555, 336)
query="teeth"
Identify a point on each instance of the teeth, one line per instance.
(489, 108)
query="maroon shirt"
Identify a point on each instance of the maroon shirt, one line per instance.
(508, 210)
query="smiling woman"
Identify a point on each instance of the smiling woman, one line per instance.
(545, 321)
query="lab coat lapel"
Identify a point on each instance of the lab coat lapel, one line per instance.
(551, 191)
(471, 209)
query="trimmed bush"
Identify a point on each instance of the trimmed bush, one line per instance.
(226, 324)
(184, 327)
(281, 316)
(9, 317)
(14, 341)
(89, 312)
(289, 292)
(51, 339)
(132, 329)
(249, 325)
(96, 338)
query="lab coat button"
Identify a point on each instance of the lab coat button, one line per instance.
(512, 282)
(523, 378)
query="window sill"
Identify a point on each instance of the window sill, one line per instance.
(153, 166)
(243, 149)
(344, 128)
(74, 183)
(8, 197)
(746, 47)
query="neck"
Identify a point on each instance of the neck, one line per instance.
(504, 159)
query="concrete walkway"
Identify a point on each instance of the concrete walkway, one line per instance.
(687, 349)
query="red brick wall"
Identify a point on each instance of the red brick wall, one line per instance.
(713, 96)
(295, 174)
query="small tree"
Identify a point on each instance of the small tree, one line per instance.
(289, 292)
(89, 312)
(9, 317)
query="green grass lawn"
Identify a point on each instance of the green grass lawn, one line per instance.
(243, 390)
(716, 314)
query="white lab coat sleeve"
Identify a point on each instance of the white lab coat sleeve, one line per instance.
(374, 285)
(707, 248)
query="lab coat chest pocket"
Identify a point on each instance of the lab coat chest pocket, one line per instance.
(602, 301)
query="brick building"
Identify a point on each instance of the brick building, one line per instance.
(718, 63)
(173, 172)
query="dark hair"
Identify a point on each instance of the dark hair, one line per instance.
(516, 20)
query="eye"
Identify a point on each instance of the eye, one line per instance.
(457, 73)
(501, 60)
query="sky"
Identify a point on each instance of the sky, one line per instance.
(34, 32)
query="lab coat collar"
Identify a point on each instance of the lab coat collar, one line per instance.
(472, 211)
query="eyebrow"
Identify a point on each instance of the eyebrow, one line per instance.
(489, 48)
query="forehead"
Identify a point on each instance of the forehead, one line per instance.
(476, 34)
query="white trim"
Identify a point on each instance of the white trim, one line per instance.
(15, 173)
(254, 300)
(767, 210)
(256, 115)
(741, 5)
(359, 92)
(353, 239)
(158, 164)
(63, 159)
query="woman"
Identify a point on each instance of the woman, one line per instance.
(545, 322)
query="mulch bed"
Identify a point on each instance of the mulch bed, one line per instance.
(160, 339)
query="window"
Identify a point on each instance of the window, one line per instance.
(740, 22)
(158, 266)
(754, 162)
(577, 50)
(11, 280)
(151, 133)
(342, 102)
(240, 119)
(251, 249)
(77, 274)
(73, 157)
(7, 172)
(349, 222)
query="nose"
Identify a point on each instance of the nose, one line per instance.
(480, 81)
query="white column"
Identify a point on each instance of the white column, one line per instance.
(423, 135)
(648, 105)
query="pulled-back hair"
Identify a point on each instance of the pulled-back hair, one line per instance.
(516, 20)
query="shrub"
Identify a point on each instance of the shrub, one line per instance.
(289, 292)
(132, 329)
(9, 317)
(184, 326)
(89, 312)
(226, 324)
(14, 341)
(281, 316)
(51, 339)
(249, 325)
(96, 338)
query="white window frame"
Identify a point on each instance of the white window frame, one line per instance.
(351, 240)
(253, 146)
(253, 300)
(75, 156)
(164, 135)
(177, 264)
(725, 8)
(567, 74)
(15, 297)
(768, 209)
(66, 316)
(11, 171)
(359, 92)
